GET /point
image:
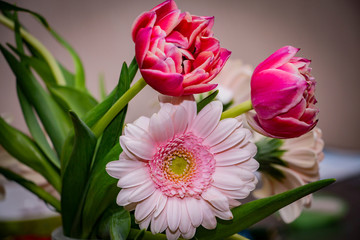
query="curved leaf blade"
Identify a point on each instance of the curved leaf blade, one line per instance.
(254, 211)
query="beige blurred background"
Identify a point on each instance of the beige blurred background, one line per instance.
(327, 31)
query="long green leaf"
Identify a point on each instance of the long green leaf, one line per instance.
(120, 225)
(206, 101)
(75, 177)
(32, 187)
(133, 67)
(54, 119)
(73, 99)
(26, 151)
(100, 183)
(254, 211)
(35, 129)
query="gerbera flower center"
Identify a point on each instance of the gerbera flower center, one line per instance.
(182, 166)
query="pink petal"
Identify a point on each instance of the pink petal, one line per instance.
(207, 119)
(275, 92)
(199, 88)
(142, 192)
(161, 127)
(173, 213)
(142, 43)
(141, 149)
(180, 120)
(169, 21)
(134, 178)
(193, 210)
(235, 138)
(145, 20)
(216, 199)
(232, 157)
(195, 77)
(278, 58)
(209, 220)
(118, 169)
(165, 83)
(145, 208)
(222, 131)
(164, 8)
(185, 222)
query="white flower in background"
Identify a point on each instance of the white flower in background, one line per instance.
(299, 165)
(179, 169)
(234, 82)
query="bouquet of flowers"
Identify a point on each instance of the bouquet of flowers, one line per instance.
(185, 171)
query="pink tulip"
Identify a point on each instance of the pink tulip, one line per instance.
(176, 52)
(282, 94)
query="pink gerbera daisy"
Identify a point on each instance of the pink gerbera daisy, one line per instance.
(179, 169)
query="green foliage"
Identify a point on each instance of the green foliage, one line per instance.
(206, 101)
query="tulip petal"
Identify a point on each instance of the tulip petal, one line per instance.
(199, 88)
(165, 83)
(277, 59)
(275, 92)
(145, 20)
(142, 44)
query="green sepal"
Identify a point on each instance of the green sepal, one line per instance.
(75, 177)
(206, 101)
(254, 211)
(32, 187)
(26, 151)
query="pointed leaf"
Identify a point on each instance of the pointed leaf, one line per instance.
(26, 151)
(72, 99)
(206, 101)
(100, 182)
(51, 115)
(32, 187)
(35, 129)
(133, 67)
(254, 211)
(75, 177)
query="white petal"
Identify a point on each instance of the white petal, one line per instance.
(207, 119)
(227, 182)
(185, 222)
(304, 158)
(162, 200)
(134, 178)
(209, 220)
(235, 138)
(142, 122)
(143, 191)
(216, 199)
(232, 157)
(145, 208)
(173, 213)
(161, 127)
(136, 132)
(159, 223)
(180, 120)
(123, 196)
(291, 211)
(142, 149)
(194, 211)
(144, 224)
(172, 235)
(119, 168)
(189, 234)
(222, 131)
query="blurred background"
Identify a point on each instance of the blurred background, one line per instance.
(327, 31)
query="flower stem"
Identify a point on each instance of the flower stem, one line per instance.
(55, 69)
(237, 110)
(100, 126)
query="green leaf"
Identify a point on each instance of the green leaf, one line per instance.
(26, 151)
(79, 69)
(101, 184)
(140, 235)
(75, 177)
(206, 101)
(102, 88)
(36, 130)
(120, 225)
(133, 67)
(73, 99)
(32, 187)
(9, 7)
(54, 120)
(254, 211)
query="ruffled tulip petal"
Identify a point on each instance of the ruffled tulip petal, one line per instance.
(275, 92)
(145, 20)
(280, 57)
(171, 83)
(200, 88)
(142, 44)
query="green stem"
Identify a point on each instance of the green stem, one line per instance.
(237, 110)
(100, 126)
(55, 69)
